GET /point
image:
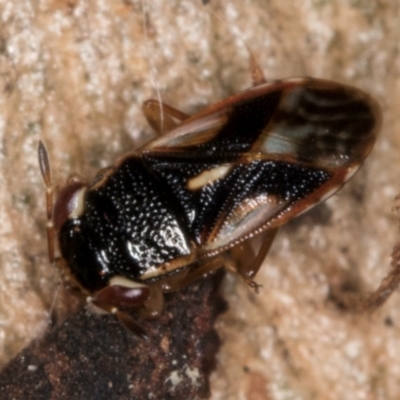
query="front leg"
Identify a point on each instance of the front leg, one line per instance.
(120, 295)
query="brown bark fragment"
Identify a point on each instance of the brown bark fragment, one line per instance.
(94, 357)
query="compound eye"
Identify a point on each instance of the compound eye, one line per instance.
(70, 203)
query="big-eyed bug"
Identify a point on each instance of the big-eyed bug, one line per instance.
(175, 209)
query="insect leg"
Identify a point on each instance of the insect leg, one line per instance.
(121, 293)
(125, 294)
(251, 270)
(124, 318)
(196, 273)
(248, 270)
(153, 306)
(131, 325)
(162, 117)
(45, 170)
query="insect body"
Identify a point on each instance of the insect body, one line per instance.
(171, 211)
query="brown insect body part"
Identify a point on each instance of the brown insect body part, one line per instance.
(174, 210)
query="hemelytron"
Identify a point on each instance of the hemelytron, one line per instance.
(174, 209)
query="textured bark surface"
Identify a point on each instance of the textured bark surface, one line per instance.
(93, 357)
(74, 73)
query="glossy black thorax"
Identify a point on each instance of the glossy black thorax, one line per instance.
(130, 225)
